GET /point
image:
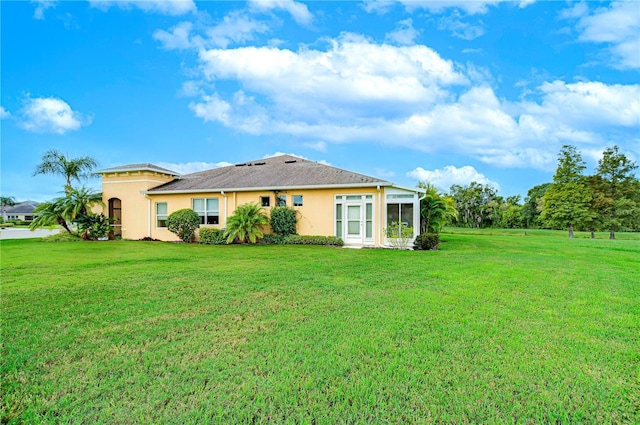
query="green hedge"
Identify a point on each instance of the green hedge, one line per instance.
(283, 221)
(313, 240)
(427, 241)
(211, 236)
(8, 224)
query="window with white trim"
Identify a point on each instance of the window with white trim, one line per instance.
(207, 209)
(296, 200)
(161, 214)
(265, 201)
(281, 200)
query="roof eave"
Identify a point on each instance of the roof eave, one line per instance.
(269, 188)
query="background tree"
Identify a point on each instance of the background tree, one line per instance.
(6, 201)
(511, 216)
(477, 204)
(617, 191)
(533, 206)
(56, 163)
(245, 225)
(567, 201)
(436, 209)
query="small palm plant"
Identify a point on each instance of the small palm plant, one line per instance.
(245, 225)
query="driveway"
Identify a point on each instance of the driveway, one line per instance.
(12, 233)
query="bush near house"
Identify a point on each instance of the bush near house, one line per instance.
(426, 241)
(184, 223)
(211, 236)
(283, 221)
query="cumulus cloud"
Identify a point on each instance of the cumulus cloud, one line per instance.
(356, 90)
(4, 113)
(298, 11)
(404, 34)
(459, 28)
(443, 178)
(177, 38)
(192, 167)
(163, 7)
(50, 115)
(617, 26)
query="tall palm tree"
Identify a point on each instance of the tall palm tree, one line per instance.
(56, 163)
(246, 223)
(436, 209)
(6, 201)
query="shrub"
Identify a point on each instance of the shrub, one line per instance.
(211, 236)
(245, 225)
(398, 235)
(283, 221)
(184, 223)
(272, 239)
(63, 237)
(427, 241)
(313, 240)
(93, 226)
(7, 224)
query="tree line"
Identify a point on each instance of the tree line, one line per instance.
(608, 200)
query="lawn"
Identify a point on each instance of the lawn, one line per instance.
(490, 329)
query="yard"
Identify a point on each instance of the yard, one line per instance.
(490, 329)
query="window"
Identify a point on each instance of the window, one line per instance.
(265, 201)
(400, 213)
(207, 209)
(297, 200)
(281, 200)
(161, 214)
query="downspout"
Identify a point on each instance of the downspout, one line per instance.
(148, 215)
(379, 218)
(224, 221)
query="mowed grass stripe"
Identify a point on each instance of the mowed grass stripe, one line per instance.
(489, 329)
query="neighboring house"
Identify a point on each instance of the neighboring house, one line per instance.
(330, 201)
(21, 211)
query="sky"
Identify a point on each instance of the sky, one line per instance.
(447, 92)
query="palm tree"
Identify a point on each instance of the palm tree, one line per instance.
(50, 214)
(54, 162)
(6, 201)
(245, 224)
(64, 210)
(436, 209)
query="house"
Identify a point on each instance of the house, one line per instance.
(330, 201)
(21, 211)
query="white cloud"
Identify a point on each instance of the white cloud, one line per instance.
(4, 113)
(617, 26)
(444, 178)
(236, 27)
(163, 7)
(460, 29)
(298, 11)
(42, 6)
(192, 167)
(358, 91)
(51, 115)
(319, 146)
(379, 7)
(177, 38)
(404, 34)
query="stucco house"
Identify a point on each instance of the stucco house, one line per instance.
(330, 201)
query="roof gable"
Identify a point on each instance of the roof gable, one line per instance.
(137, 167)
(279, 172)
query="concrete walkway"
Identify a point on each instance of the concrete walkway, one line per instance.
(13, 233)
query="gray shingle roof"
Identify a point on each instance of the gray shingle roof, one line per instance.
(284, 171)
(137, 167)
(25, 207)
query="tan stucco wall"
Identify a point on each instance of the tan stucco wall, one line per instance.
(127, 187)
(315, 217)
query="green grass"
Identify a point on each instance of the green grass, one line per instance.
(490, 329)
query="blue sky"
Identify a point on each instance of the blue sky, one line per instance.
(448, 92)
